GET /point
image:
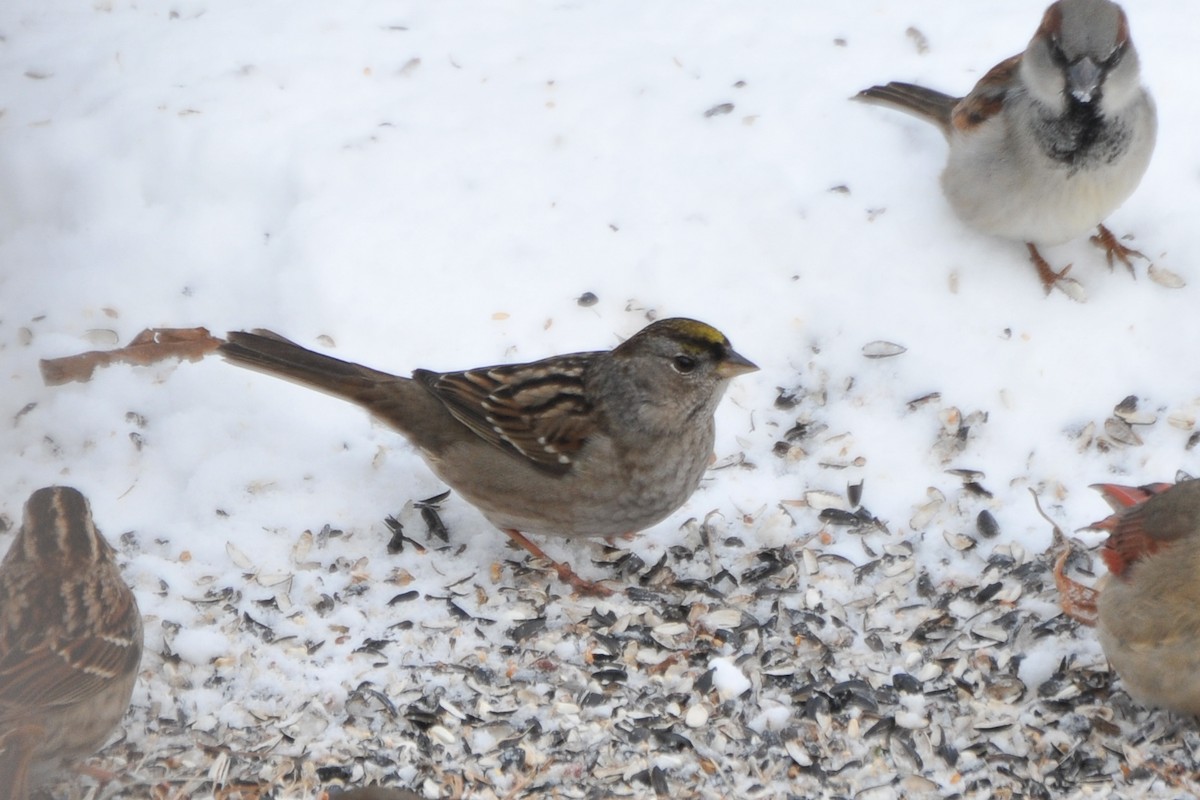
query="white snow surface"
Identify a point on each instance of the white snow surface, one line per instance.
(434, 185)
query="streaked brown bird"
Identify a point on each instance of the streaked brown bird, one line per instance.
(588, 444)
(70, 642)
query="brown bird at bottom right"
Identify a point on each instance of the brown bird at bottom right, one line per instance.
(1147, 610)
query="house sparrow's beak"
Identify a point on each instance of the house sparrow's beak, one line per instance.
(1083, 79)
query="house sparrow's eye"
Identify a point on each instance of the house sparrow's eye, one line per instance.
(684, 364)
(1057, 55)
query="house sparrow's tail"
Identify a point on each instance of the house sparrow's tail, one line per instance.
(929, 105)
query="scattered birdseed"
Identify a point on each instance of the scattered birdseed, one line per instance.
(919, 653)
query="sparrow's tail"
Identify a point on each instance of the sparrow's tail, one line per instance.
(929, 105)
(271, 353)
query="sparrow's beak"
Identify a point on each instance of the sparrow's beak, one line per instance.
(734, 364)
(1083, 79)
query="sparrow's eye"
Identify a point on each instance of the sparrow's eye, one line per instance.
(684, 364)
(1057, 55)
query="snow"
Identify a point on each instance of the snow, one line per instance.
(728, 680)
(433, 185)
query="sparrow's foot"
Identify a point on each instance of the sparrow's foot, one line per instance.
(1078, 601)
(1055, 280)
(1114, 250)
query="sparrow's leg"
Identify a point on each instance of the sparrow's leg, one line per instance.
(565, 573)
(16, 758)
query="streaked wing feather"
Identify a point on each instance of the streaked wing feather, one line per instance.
(45, 678)
(37, 671)
(537, 410)
(987, 98)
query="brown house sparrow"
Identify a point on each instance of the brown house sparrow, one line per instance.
(1147, 610)
(1049, 142)
(587, 444)
(70, 642)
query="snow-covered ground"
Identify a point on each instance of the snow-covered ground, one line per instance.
(434, 185)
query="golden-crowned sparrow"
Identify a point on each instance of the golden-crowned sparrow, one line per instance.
(70, 641)
(586, 444)
(1049, 142)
